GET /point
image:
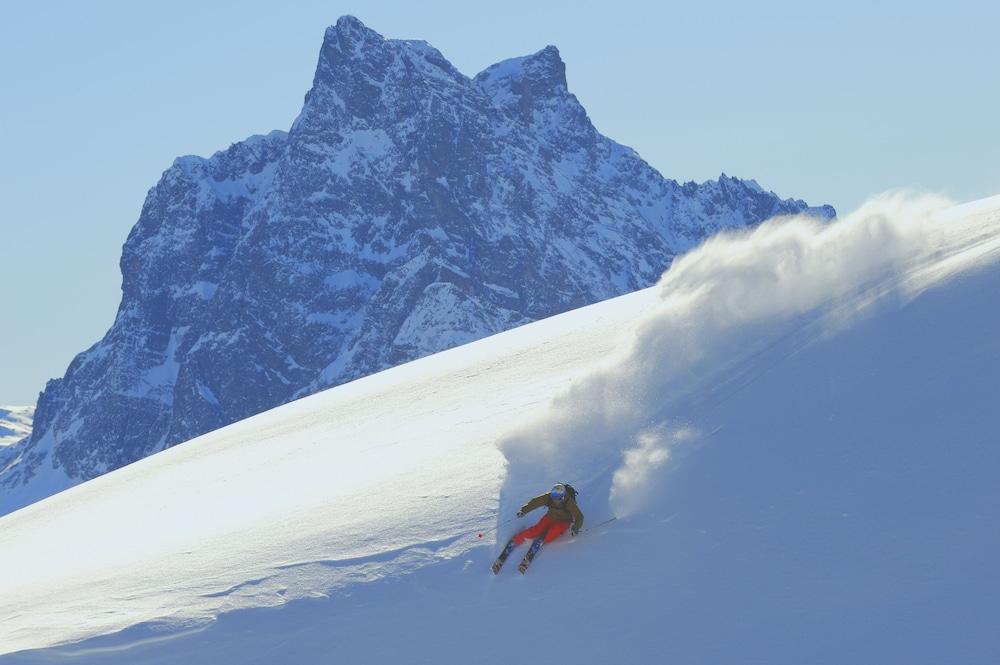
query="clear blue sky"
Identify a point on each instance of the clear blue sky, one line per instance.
(831, 103)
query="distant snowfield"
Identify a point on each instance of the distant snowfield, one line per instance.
(15, 423)
(797, 428)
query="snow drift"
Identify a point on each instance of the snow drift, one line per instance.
(830, 390)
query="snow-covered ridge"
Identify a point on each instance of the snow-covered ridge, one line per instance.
(15, 423)
(794, 426)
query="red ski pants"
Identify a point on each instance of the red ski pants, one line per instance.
(550, 527)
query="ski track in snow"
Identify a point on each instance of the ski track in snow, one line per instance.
(794, 427)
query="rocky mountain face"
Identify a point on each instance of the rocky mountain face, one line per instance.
(409, 209)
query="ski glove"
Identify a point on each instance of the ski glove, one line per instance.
(573, 532)
(520, 513)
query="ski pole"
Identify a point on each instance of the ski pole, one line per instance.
(483, 533)
(611, 519)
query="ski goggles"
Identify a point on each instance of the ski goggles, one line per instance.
(558, 493)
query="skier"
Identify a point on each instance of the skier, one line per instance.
(562, 512)
(561, 515)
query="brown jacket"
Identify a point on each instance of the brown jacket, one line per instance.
(562, 511)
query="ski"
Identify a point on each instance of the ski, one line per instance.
(498, 564)
(536, 545)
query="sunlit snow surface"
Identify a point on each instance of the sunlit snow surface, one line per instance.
(797, 428)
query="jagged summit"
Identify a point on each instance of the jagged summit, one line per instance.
(409, 209)
(545, 67)
(362, 77)
(350, 35)
(348, 24)
(533, 84)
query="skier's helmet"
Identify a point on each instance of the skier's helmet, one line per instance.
(558, 492)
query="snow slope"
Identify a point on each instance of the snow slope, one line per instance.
(15, 423)
(796, 427)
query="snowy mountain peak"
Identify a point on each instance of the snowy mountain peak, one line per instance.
(364, 79)
(528, 82)
(350, 35)
(408, 210)
(542, 70)
(351, 24)
(351, 45)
